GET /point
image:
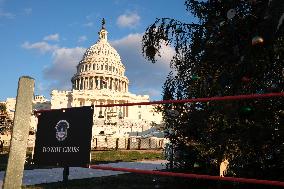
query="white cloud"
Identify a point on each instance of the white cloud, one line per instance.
(64, 61)
(28, 11)
(89, 24)
(63, 67)
(129, 20)
(4, 14)
(42, 46)
(52, 37)
(145, 77)
(82, 38)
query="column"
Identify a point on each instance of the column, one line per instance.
(108, 83)
(79, 83)
(83, 87)
(123, 111)
(88, 83)
(112, 84)
(99, 83)
(127, 109)
(93, 86)
(118, 85)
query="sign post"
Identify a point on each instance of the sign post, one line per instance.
(65, 175)
(14, 172)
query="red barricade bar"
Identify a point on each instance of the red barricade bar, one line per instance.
(223, 98)
(193, 176)
(238, 97)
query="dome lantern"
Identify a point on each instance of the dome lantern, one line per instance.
(103, 32)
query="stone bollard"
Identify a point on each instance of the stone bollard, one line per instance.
(17, 154)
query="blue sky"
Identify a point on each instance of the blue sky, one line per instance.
(46, 40)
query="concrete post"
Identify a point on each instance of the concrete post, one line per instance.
(15, 167)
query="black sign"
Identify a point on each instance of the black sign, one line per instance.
(63, 137)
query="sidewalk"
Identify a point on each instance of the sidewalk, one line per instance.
(38, 176)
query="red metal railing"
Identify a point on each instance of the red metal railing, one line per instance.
(192, 176)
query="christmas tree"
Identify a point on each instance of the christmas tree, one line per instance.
(235, 48)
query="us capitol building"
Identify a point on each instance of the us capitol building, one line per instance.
(100, 79)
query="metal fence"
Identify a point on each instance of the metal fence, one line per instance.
(129, 143)
(108, 142)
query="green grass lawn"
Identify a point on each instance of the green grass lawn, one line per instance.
(125, 155)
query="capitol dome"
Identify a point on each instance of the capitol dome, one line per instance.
(100, 68)
(100, 80)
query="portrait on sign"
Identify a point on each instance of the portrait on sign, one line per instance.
(61, 130)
